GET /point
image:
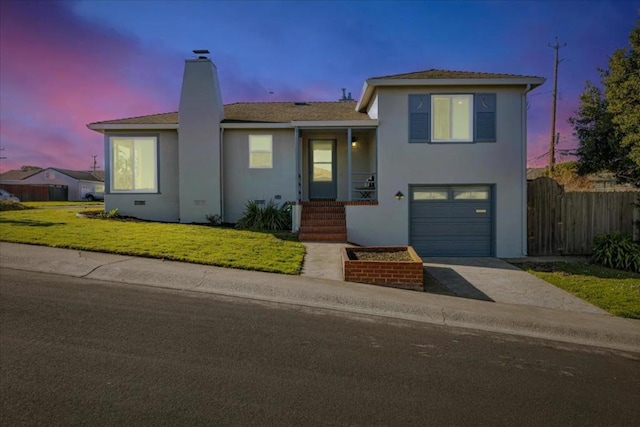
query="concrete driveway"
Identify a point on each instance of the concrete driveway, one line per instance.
(484, 279)
(492, 279)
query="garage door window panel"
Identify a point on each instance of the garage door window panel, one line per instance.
(471, 194)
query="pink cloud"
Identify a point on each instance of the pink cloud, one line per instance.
(59, 73)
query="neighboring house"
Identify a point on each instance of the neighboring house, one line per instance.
(435, 159)
(79, 183)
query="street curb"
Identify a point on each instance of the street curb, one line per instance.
(597, 330)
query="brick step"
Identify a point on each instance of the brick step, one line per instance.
(322, 215)
(323, 237)
(325, 203)
(331, 209)
(323, 222)
(327, 229)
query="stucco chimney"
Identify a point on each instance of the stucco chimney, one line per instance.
(200, 114)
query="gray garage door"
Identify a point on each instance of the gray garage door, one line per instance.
(452, 220)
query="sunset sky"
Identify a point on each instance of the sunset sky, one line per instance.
(64, 64)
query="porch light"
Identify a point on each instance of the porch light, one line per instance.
(399, 195)
(354, 141)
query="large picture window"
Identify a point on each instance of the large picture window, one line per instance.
(260, 151)
(134, 164)
(452, 118)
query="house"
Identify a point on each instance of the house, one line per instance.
(78, 183)
(435, 159)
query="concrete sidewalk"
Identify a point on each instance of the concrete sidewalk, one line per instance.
(576, 327)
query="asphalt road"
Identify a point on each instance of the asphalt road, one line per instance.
(77, 351)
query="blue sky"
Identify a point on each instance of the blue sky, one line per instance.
(67, 63)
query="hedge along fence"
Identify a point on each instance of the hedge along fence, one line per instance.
(565, 223)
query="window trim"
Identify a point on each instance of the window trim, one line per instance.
(471, 125)
(261, 151)
(156, 189)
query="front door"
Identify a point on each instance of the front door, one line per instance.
(322, 170)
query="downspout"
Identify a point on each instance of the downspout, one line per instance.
(523, 193)
(221, 174)
(297, 189)
(349, 167)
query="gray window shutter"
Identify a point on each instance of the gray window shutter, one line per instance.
(419, 118)
(485, 117)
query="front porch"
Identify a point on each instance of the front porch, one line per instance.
(337, 164)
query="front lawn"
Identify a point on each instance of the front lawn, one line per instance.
(63, 203)
(217, 246)
(617, 292)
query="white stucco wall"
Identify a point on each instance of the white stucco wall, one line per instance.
(242, 183)
(200, 111)
(401, 164)
(161, 206)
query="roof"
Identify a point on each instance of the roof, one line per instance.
(284, 112)
(19, 175)
(262, 112)
(450, 74)
(443, 78)
(82, 175)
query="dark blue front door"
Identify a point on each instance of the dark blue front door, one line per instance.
(322, 169)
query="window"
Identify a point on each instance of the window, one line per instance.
(471, 194)
(134, 165)
(49, 175)
(435, 194)
(260, 151)
(452, 119)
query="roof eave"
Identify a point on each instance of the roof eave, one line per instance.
(510, 81)
(102, 127)
(363, 102)
(334, 123)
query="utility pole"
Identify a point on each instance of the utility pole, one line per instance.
(552, 150)
(95, 162)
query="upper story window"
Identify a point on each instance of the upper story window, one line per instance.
(452, 118)
(134, 164)
(260, 151)
(49, 175)
(443, 118)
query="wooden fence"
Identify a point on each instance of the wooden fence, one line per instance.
(565, 223)
(37, 192)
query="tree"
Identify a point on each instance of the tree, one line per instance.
(599, 140)
(27, 168)
(622, 89)
(607, 123)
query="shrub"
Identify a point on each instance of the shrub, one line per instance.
(113, 213)
(9, 205)
(214, 220)
(617, 251)
(269, 217)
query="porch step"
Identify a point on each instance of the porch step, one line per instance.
(323, 222)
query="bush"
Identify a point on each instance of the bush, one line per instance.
(269, 217)
(617, 251)
(214, 220)
(9, 205)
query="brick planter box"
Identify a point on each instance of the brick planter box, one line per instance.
(397, 274)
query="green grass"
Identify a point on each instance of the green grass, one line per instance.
(617, 292)
(222, 247)
(62, 203)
